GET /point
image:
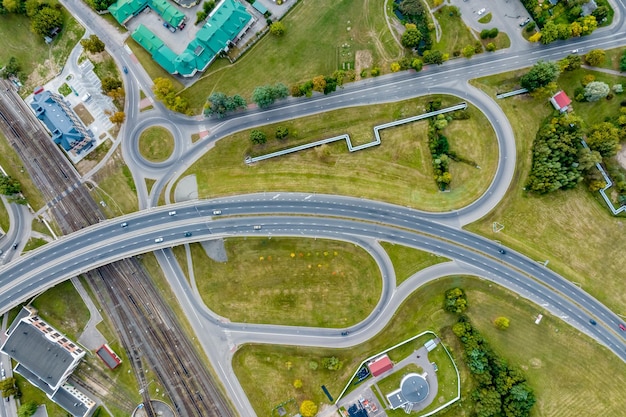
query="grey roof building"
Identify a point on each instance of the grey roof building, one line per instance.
(46, 358)
(413, 389)
(66, 128)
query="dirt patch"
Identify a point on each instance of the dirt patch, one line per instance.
(84, 115)
(621, 157)
(362, 60)
(42, 73)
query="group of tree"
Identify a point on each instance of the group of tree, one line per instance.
(163, 89)
(27, 409)
(501, 390)
(543, 14)
(44, 15)
(595, 57)
(8, 387)
(220, 104)
(455, 301)
(407, 63)
(266, 95)
(92, 44)
(322, 83)
(555, 155)
(489, 33)
(540, 75)
(570, 63)
(551, 31)
(11, 68)
(413, 13)
(332, 363)
(9, 186)
(207, 8)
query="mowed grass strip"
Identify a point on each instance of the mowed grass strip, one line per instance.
(407, 261)
(156, 144)
(290, 281)
(314, 33)
(571, 229)
(456, 33)
(571, 374)
(398, 171)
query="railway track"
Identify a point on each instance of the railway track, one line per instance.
(147, 327)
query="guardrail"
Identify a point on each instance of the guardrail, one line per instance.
(346, 137)
(512, 93)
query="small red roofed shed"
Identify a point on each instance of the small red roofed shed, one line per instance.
(560, 101)
(108, 356)
(380, 365)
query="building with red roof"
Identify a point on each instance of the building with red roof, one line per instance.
(380, 365)
(561, 101)
(108, 356)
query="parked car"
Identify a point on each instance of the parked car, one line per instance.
(525, 22)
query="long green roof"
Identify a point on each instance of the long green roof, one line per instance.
(224, 24)
(123, 10)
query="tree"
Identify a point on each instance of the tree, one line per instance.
(110, 83)
(27, 409)
(319, 83)
(468, 51)
(201, 15)
(455, 300)
(258, 137)
(596, 90)
(490, 47)
(411, 38)
(501, 323)
(433, 57)
(576, 29)
(9, 186)
(12, 6)
(297, 384)
(332, 363)
(220, 104)
(281, 132)
(549, 33)
(540, 75)
(588, 24)
(32, 7)
(277, 29)
(595, 57)
(308, 408)
(394, 67)
(117, 117)
(265, 96)
(622, 62)
(92, 44)
(8, 387)
(603, 138)
(570, 63)
(11, 68)
(417, 64)
(46, 20)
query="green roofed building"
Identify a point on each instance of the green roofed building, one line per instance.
(224, 26)
(123, 10)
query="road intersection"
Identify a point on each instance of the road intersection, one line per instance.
(293, 214)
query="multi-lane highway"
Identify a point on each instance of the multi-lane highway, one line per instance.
(345, 218)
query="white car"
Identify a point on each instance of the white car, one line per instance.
(158, 240)
(257, 227)
(217, 212)
(481, 11)
(172, 213)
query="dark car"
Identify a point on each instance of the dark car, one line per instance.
(187, 234)
(525, 22)
(344, 333)
(592, 321)
(125, 70)
(502, 251)
(15, 245)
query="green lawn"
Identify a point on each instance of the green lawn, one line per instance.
(560, 363)
(62, 307)
(12, 164)
(407, 261)
(580, 238)
(115, 187)
(5, 223)
(33, 243)
(398, 171)
(320, 37)
(612, 59)
(31, 393)
(456, 35)
(392, 382)
(39, 61)
(156, 144)
(290, 281)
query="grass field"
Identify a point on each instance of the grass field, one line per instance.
(456, 34)
(398, 171)
(156, 144)
(12, 164)
(4, 217)
(31, 393)
(39, 61)
(114, 187)
(34, 243)
(153, 69)
(290, 281)
(62, 307)
(407, 261)
(320, 38)
(541, 351)
(392, 382)
(612, 59)
(580, 237)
